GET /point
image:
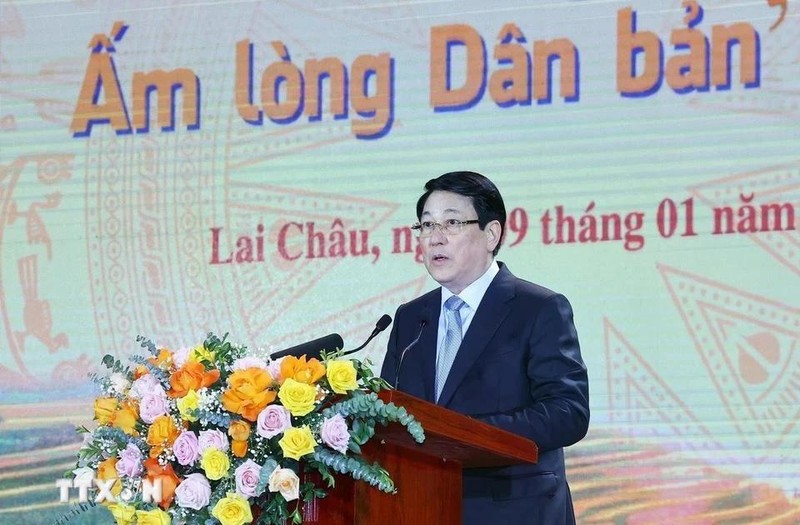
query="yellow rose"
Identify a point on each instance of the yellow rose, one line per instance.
(109, 411)
(215, 463)
(199, 352)
(297, 442)
(125, 417)
(122, 513)
(187, 403)
(107, 469)
(297, 397)
(104, 408)
(233, 509)
(152, 517)
(342, 376)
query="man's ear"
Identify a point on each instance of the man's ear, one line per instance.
(493, 230)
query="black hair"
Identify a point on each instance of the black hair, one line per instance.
(485, 197)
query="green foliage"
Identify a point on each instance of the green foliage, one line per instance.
(76, 511)
(368, 409)
(206, 416)
(159, 374)
(266, 471)
(370, 380)
(147, 343)
(357, 468)
(276, 512)
(114, 364)
(223, 350)
(324, 472)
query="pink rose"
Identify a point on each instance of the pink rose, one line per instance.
(153, 404)
(179, 357)
(334, 433)
(130, 461)
(244, 363)
(194, 492)
(186, 448)
(247, 478)
(273, 420)
(145, 384)
(213, 439)
(274, 367)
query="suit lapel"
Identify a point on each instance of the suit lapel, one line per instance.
(494, 307)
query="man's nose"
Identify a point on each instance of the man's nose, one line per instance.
(437, 236)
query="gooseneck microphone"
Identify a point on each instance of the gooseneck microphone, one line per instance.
(312, 348)
(380, 326)
(424, 319)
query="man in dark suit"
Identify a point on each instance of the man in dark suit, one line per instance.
(494, 347)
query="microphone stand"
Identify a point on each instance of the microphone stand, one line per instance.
(413, 343)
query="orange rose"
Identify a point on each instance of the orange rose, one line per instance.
(239, 448)
(302, 371)
(239, 430)
(169, 480)
(163, 360)
(107, 469)
(191, 376)
(248, 393)
(125, 417)
(161, 435)
(104, 408)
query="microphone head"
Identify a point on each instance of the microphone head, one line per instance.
(331, 342)
(313, 349)
(380, 326)
(383, 322)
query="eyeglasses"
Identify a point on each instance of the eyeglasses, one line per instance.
(447, 227)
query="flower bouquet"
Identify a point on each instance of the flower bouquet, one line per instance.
(216, 434)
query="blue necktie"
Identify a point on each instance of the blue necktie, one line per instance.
(452, 340)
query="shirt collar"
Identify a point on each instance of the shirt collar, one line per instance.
(473, 294)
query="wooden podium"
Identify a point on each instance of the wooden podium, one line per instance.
(427, 475)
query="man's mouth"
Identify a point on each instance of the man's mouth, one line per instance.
(439, 257)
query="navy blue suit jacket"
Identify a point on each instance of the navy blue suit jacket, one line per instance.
(519, 368)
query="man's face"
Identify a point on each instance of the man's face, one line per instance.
(455, 261)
